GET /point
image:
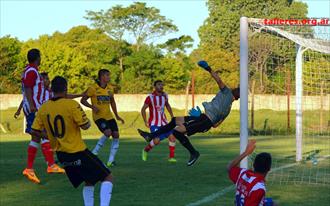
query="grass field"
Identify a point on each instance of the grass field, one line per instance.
(157, 182)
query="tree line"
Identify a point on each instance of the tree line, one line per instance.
(122, 39)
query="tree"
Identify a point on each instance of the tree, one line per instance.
(137, 20)
(10, 67)
(177, 45)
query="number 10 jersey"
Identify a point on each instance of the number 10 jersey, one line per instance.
(62, 118)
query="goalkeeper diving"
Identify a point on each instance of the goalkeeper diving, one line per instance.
(216, 111)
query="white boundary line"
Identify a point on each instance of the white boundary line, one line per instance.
(224, 191)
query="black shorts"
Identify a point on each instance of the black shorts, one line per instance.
(83, 166)
(197, 124)
(104, 124)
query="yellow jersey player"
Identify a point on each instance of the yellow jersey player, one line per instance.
(101, 96)
(62, 119)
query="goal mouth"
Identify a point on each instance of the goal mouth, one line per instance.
(285, 97)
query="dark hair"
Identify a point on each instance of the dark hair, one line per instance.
(262, 163)
(101, 73)
(157, 81)
(44, 74)
(59, 84)
(33, 55)
(236, 93)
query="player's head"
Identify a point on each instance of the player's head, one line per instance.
(34, 56)
(103, 75)
(59, 86)
(262, 163)
(235, 93)
(45, 79)
(159, 86)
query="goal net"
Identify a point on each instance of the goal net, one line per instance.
(285, 98)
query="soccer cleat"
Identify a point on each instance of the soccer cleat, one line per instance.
(30, 175)
(111, 164)
(193, 158)
(145, 135)
(55, 169)
(172, 160)
(144, 155)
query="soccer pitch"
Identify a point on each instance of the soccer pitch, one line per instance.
(157, 182)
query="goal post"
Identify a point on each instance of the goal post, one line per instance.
(268, 54)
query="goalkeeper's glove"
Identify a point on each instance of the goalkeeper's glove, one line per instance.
(204, 65)
(195, 112)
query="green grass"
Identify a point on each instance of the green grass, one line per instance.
(156, 182)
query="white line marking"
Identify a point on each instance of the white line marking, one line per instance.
(224, 191)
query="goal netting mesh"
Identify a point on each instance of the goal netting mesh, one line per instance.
(289, 109)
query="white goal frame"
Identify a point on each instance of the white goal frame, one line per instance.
(302, 46)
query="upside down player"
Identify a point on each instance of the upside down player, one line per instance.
(101, 96)
(33, 89)
(216, 112)
(156, 102)
(250, 185)
(62, 119)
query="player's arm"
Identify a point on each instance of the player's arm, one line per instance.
(203, 64)
(249, 149)
(18, 112)
(80, 117)
(114, 108)
(73, 96)
(84, 101)
(144, 114)
(217, 78)
(169, 108)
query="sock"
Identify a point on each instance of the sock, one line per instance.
(105, 193)
(171, 147)
(100, 144)
(32, 151)
(184, 141)
(113, 149)
(164, 129)
(47, 152)
(149, 146)
(88, 194)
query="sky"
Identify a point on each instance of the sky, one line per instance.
(27, 19)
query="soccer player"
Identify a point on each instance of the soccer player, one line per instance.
(216, 112)
(101, 96)
(156, 102)
(62, 119)
(250, 185)
(47, 94)
(33, 89)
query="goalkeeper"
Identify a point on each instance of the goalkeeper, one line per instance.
(216, 112)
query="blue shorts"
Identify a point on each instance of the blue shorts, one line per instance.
(162, 136)
(29, 121)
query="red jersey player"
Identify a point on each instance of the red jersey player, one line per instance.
(156, 102)
(250, 185)
(33, 90)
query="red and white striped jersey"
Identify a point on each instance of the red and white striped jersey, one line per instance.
(250, 187)
(48, 94)
(32, 79)
(156, 105)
